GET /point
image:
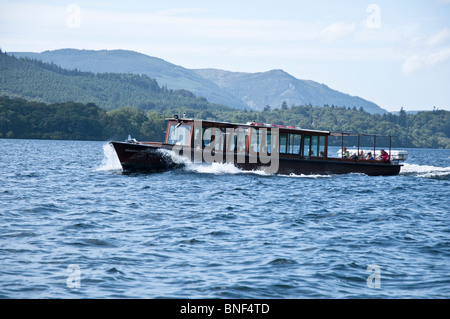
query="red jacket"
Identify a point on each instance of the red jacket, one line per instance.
(385, 157)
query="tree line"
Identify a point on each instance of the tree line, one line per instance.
(20, 118)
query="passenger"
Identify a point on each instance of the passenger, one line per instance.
(345, 153)
(369, 156)
(383, 156)
(361, 154)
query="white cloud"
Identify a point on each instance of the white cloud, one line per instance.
(430, 51)
(441, 37)
(420, 62)
(336, 31)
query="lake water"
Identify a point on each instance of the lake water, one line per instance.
(74, 226)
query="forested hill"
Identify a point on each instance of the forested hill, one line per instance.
(49, 83)
(124, 61)
(24, 119)
(253, 91)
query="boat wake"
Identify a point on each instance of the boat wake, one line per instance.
(207, 168)
(213, 168)
(308, 176)
(426, 171)
(110, 160)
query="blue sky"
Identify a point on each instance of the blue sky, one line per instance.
(394, 53)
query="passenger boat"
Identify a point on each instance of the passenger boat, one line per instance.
(275, 149)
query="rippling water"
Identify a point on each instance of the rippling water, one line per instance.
(73, 226)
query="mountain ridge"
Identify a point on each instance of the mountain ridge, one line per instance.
(235, 89)
(273, 87)
(124, 61)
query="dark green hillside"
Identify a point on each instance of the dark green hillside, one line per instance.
(75, 121)
(44, 82)
(123, 61)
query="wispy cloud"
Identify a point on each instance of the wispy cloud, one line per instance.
(433, 50)
(336, 31)
(181, 11)
(440, 38)
(420, 62)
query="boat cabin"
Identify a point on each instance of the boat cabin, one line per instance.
(251, 138)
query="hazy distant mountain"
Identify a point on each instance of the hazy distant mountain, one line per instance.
(121, 61)
(276, 86)
(235, 89)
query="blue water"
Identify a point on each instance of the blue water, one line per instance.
(73, 226)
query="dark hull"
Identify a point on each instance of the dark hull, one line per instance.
(336, 166)
(137, 157)
(157, 157)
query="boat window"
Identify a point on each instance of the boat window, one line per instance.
(254, 141)
(231, 139)
(294, 141)
(321, 150)
(197, 137)
(241, 139)
(209, 133)
(314, 151)
(179, 134)
(268, 143)
(261, 141)
(290, 143)
(236, 139)
(314, 145)
(283, 143)
(306, 145)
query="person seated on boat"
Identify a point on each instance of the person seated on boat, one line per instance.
(322, 154)
(345, 153)
(361, 154)
(384, 156)
(369, 156)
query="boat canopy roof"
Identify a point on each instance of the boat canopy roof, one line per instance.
(356, 134)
